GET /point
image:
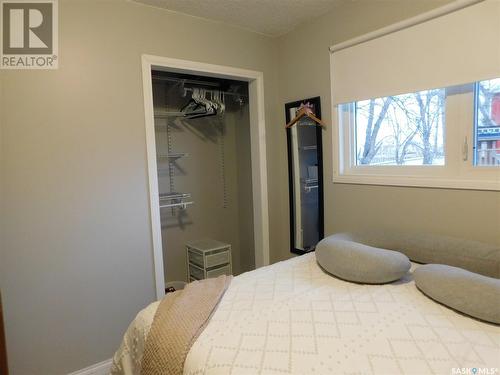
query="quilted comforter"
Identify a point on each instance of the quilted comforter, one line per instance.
(292, 317)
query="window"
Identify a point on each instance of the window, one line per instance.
(401, 130)
(487, 129)
(447, 137)
(418, 102)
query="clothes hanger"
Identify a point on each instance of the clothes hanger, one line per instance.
(305, 110)
(219, 102)
(209, 108)
(215, 103)
(192, 102)
(196, 106)
(201, 106)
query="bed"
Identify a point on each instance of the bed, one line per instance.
(292, 317)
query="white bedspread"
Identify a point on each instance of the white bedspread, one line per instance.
(291, 317)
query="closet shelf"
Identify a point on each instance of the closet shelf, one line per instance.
(173, 155)
(308, 188)
(174, 196)
(305, 148)
(173, 200)
(165, 114)
(307, 181)
(181, 205)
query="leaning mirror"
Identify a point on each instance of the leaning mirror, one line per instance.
(305, 171)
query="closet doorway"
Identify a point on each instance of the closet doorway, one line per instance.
(206, 151)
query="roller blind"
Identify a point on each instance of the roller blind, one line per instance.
(460, 47)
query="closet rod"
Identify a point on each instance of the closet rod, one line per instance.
(188, 81)
(224, 92)
(204, 83)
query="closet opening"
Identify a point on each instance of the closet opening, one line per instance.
(206, 162)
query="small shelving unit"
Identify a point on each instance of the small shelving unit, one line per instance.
(208, 258)
(172, 199)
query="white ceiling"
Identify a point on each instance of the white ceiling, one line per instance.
(269, 17)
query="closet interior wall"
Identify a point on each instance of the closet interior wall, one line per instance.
(215, 169)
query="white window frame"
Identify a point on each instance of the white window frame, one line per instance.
(458, 171)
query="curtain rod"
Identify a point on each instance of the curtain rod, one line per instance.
(421, 18)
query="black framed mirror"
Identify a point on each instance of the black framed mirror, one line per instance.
(305, 177)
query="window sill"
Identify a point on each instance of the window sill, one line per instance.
(409, 181)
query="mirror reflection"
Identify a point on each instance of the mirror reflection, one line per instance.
(306, 201)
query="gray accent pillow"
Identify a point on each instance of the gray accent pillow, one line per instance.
(474, 256)
(470, 293)
(360, 263)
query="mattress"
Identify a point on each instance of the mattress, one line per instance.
(292, 317)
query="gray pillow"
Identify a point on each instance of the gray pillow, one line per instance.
(360, 263)
(474, 256)
(470, 293)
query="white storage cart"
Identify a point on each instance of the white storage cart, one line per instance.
(208, 258)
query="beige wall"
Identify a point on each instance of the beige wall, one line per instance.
(304, 72)
(76, 256)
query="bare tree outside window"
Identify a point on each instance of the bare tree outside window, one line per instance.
(405, 129)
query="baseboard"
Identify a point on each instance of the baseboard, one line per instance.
(101, 368)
